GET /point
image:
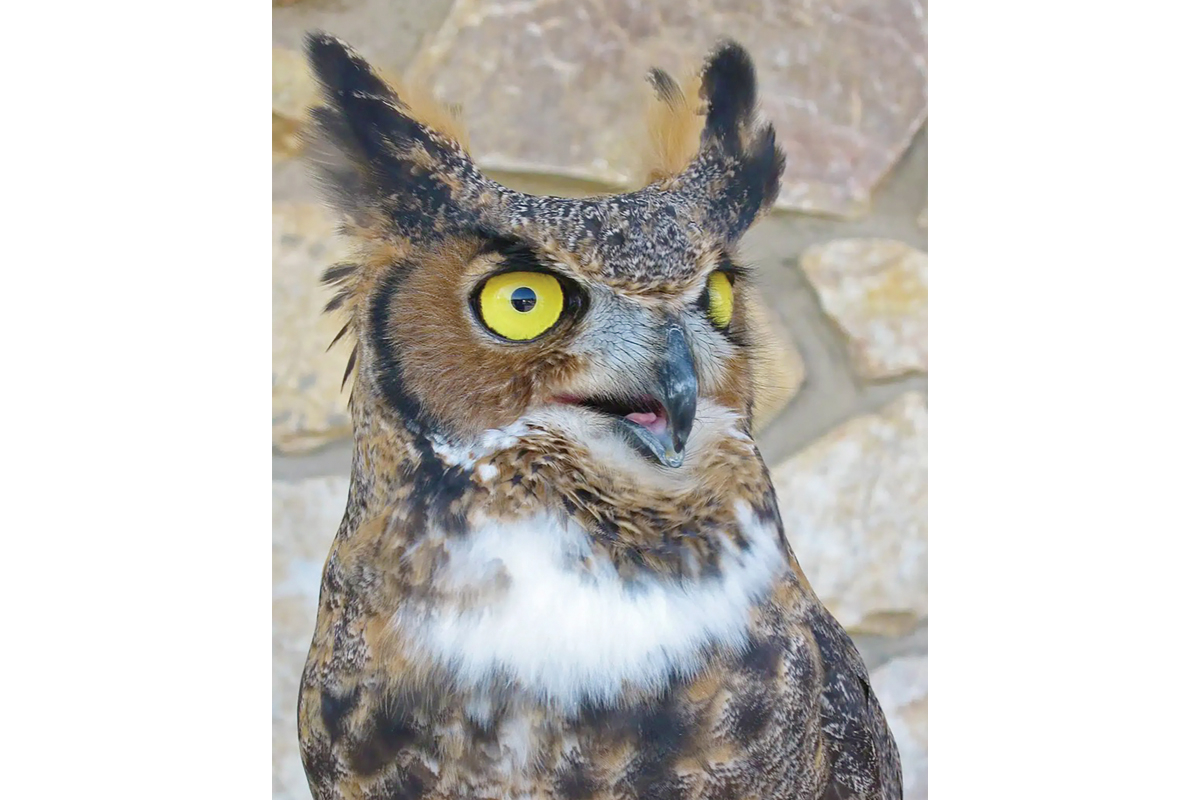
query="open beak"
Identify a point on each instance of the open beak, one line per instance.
(675, 390)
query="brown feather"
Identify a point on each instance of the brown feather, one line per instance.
(674, 120)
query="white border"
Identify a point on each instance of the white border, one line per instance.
(1064, 436)
(1063, 414)
(136, 507)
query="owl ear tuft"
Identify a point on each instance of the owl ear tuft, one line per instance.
(384, 150)
(732, 165)
(729, 87)
(674, 120)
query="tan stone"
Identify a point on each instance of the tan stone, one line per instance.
(386, 32)
(923, 219)
(308, 405)
(306, 515)
(854, 506)
(286, 138)
(292, 93)
(779, 370)
(902, 686)
(876, 290)
(843, 80)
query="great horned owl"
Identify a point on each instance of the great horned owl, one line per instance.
(561, 571)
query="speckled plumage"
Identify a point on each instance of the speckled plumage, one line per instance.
(521, 601)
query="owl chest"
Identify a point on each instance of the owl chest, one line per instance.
(562, 678)
(554, 619)
(706, 738)
(735, 730)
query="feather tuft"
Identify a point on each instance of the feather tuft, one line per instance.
(674, 120)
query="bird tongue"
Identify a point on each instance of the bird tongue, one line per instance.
(648, 419)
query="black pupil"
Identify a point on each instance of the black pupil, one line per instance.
(524, 299)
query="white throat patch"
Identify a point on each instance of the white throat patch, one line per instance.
(568, 632)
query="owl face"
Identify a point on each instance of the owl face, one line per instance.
(619, 319)
(495, 329)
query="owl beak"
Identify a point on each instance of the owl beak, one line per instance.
(675, 391)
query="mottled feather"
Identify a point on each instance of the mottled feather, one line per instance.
(521, 602)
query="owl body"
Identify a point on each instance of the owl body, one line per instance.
(561, 572)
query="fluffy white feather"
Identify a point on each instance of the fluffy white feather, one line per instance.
(570, 631)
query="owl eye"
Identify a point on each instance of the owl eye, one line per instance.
(720, 299)
(520, 306)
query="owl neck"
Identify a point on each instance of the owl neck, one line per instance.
(642, 519)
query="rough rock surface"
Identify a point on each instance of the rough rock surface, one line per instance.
(308, 406)
(305, 516)
(902, 686)
(292, 92)
(843, 80)
(854, 508)
(876, 290)
(779, 371)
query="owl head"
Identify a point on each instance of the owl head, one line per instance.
(621, 318)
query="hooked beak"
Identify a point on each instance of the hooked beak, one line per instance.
(676, 390)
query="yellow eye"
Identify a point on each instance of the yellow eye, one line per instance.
(521, 305)
(720, 299)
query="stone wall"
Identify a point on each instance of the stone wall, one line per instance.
(841, 266)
